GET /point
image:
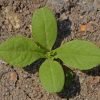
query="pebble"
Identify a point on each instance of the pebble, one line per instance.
(12, 17)
(90, 27)
(83, 27)
(13, 76)
(98, 95)
(97, 4)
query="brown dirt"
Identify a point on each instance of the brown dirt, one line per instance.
(24, 84)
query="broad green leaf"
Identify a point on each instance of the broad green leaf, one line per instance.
(79, 54)
(44, 27)
(19, 51)
(52, 76)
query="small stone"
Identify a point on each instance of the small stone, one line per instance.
(98, 95)
(83, 27)
(90, 27)
(97, 4)
(13, 76)
(12, 17)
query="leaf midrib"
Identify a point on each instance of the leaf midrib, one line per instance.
(79, 53)
(45, 29)
(52, 75)
(83, 54)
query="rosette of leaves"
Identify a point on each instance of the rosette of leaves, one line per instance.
(21, 51)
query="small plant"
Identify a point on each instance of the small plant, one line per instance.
(21, 51)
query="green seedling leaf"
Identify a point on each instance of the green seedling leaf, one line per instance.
(19, 51)
(52, 76)
(44, 27)
(79, 54)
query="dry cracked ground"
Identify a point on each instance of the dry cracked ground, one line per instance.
(77, 19)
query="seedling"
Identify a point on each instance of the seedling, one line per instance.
(21, 51)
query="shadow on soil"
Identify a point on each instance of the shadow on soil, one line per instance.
(64, 30)
(93, 72)
(72, 84)
(71, 90)
(34, 67)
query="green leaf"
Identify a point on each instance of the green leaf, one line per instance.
(19, 51)
(44, 27)
(79, 54)
(52, 76)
